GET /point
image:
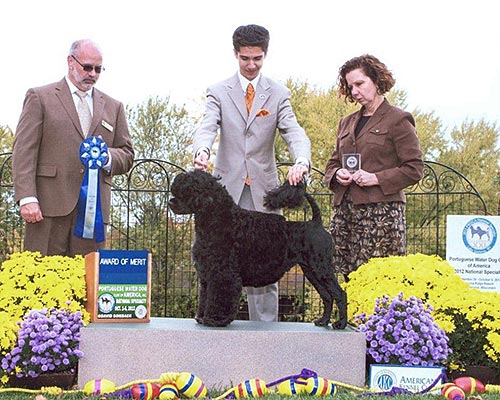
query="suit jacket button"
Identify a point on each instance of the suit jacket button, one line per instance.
(82, 170)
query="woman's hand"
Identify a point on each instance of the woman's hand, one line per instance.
(343, 177)
(363, 178)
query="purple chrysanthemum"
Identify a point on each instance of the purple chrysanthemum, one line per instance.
(48, 341)
(404, 332)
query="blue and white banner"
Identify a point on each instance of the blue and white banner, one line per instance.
(473, 249)
(90, 224)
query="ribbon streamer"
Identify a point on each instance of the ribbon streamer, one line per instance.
(93, 154)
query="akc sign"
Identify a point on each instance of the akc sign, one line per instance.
(384, 377)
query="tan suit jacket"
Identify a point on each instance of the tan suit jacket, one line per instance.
(246, 144)
(389, 147)
(46, 162)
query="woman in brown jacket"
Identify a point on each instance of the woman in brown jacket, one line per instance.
(377, 155)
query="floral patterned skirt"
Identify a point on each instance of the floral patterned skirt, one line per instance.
(363, 231)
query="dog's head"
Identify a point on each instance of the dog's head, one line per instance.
(195, 192)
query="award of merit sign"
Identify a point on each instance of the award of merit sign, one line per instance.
(118, 285)
(472, 248)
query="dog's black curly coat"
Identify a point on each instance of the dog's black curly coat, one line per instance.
(234, 247)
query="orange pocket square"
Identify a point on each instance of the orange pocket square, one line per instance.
(262, 113)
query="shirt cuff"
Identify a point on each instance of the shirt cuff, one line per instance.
(107, 166)
(204, 149)
(303, 161)
(27, 200)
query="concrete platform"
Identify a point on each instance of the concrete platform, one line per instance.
(220, 357)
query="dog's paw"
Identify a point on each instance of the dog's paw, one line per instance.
(340, 324)
(321, 322)
(199, 319)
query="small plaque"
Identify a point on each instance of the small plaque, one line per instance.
(118, 285)
(351, 162)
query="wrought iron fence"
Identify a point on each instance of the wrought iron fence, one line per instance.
(141, 220)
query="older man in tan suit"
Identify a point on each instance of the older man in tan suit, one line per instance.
(47, 169)
(247, 110)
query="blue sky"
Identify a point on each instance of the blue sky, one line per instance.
(444, 54)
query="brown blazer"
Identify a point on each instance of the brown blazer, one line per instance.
(389, 147)
(45, 160)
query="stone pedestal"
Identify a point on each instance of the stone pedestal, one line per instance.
(220, 357)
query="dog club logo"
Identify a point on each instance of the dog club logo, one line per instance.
(106, 303)
(479, 235)
(385, 380)
(140, 311)
(352, 162)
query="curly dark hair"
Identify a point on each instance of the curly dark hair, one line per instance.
(251, 36)
(372, 67)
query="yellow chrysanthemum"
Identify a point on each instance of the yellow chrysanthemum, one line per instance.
(435, 282)
(52, 281)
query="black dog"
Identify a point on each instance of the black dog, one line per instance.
(234, 247)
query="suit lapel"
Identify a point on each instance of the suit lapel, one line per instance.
(374, 119)
(66, 98)
(67, 102)
(235, 93)
(262, 94)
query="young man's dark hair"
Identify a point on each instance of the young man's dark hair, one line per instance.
(251, 36)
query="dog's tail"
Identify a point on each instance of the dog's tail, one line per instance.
(288, 196)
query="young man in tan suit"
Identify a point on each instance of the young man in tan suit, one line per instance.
(247, 119)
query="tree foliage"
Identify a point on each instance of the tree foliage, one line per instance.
(6, 139)
(473, 150)
(162, 130)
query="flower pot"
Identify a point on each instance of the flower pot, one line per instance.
(486, 375)
(63, 380)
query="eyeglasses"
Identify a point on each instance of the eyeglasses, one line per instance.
(89, 67)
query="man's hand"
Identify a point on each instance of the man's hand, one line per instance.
(296, 173)
(31, 212)
(201, 161)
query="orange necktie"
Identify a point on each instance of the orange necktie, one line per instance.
(249, 97)
(248, 101)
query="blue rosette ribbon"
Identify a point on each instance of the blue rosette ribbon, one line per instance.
(89, 223)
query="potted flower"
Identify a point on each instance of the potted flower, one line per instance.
(470, 317)
(402, 331)
(54, 282)
(47, 344)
